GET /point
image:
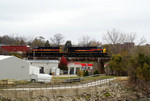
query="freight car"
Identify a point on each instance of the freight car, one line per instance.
(70, 52)
(15, 49)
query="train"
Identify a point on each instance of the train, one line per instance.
(69, 52)
(14, 49)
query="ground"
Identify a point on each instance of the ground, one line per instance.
(118, 90)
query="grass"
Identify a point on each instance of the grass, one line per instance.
(107, 94)
(85, 78)
(22, 82)
(96, 78)
(12, 81)
(63, 77)
(59, 80)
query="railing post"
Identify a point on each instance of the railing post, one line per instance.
(65, 85)
(87, 84)
(109, 82)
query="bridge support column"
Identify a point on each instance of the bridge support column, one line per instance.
(100, 66)
(74, 70)
(102, 71)
(68, 70)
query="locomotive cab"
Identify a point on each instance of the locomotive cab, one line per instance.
(101, 48)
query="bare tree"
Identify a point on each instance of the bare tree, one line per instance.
(115, 38)
(57, 39)
(6, 40)
(85, 41)
(12, 40)
(131, 37)
(95, 43)
(30, 40)
(142, 41)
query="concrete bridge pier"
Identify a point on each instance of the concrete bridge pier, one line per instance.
(100, 66)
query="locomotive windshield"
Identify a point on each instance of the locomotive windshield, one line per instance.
(99, 47)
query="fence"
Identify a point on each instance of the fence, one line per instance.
(56, 87)
(55, 84)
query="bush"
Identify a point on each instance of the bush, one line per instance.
(139, 73)
(140, 68)
(63, 65)
(80, 73)
(118, 65)
(86, 73)
(96, 72)
(107, 94)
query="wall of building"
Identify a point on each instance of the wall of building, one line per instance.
(72, 68)
(14, 68)
(48, 65)
(34, 70)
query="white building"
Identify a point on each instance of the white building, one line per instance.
(74, 67)
(13, 68)
(34, 70)
(46, 66)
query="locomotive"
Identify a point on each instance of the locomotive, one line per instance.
(69, 52)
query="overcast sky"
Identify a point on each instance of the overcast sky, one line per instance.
(74, 18)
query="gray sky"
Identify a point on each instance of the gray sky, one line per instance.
(74, 18)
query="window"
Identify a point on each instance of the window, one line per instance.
(42, 70)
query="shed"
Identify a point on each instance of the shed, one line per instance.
(56, 71)
(13, 68)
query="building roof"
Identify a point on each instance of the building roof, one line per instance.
(2, 57)
(43, 61)
(81, 64)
